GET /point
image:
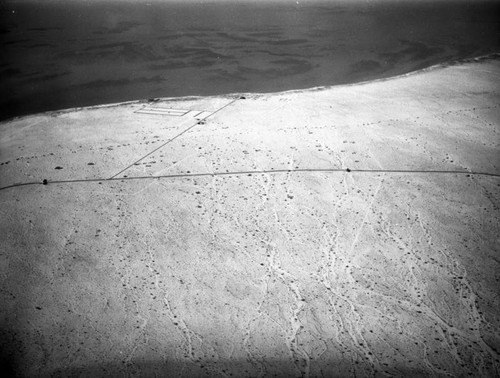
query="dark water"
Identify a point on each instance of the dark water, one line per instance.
(74, 53)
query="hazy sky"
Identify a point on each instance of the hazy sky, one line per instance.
(240, 1)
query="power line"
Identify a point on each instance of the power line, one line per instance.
(252, 172)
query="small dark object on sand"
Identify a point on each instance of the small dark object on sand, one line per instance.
(58, 167)
(243, 98)
(45, 182)
(153, 99)
(348, 170)
(90, 163)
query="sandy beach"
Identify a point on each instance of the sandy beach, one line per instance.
(333, 232)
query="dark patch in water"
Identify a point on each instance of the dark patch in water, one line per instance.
(121, 82)
(37, 77)
(414, 51)
(45, 29)
(365, 66)
(9, 72)
(17, 41)
(37, 45)
(289, 42)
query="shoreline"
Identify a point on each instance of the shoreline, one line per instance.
(450, 63)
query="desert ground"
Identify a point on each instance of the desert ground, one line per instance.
(349, 231)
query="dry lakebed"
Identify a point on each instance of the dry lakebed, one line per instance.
(349, 231)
